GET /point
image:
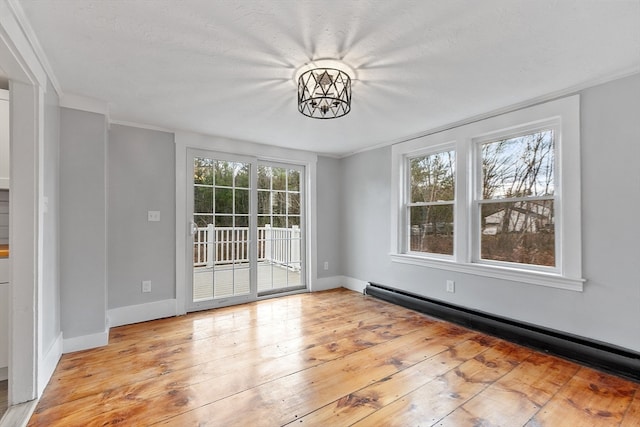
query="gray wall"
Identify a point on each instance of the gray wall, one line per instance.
(141, 178)
(51, 236)
(609, 308)
(328, 197)
(83, 249)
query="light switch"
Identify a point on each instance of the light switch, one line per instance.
(153, 216)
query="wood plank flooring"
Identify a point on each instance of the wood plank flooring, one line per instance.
(334, 358)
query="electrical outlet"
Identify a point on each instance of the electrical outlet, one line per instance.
(451, 286)
(326, 265)
(146, 286)
(153, 216)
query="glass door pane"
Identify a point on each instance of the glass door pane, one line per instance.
(280, 232)
(221, 230)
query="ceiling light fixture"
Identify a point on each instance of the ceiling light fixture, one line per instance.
(324, 89)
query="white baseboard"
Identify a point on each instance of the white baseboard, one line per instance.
(141, 312)
(85, 342)
(4, 373)
(326, 283)
(353, 284)
(49, 363)
(18, 415)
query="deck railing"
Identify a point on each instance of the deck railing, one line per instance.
(228, 245)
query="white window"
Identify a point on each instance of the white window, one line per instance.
(430, 202)
(514, 201)
(498, 197)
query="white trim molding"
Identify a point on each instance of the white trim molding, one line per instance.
(84, 103)
(19, 415)
(18, 13)
(354, 284)
(571, 90)
(257, 152)
(86, 342)
(141, 312)
(567, 273)
(326, 283)
(49, 363)
(18, 60)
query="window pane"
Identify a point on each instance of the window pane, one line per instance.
(433, 177)
(263, 220)
(294, 203)
(224, 200)
(203, 220)
(521, 232)
(264, 202)
(279, 222)
(518, 167)
(242, 202)
(264, 177)
(293, 220)
(242, 175)
(431, 229)
(203, 199)
(241, 221)
(279, 202)
(224, 173)
(294, 180)
(279, 178)
(224, 221)
(202, 171)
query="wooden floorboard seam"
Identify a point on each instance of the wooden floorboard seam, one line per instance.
(342, 359)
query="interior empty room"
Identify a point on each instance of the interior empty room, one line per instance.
(333, 213)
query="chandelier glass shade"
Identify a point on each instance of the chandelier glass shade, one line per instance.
(324, 93)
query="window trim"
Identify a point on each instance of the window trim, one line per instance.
(568, 271)
(406, 233)
(477, 200)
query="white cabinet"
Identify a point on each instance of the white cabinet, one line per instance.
(4, 139)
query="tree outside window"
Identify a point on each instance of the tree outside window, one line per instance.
(516, 205)
(431, 203)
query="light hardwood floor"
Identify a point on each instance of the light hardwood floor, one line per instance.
(334, 358)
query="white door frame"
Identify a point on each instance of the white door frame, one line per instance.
(185, 140)
(239, 299)
(27, 83)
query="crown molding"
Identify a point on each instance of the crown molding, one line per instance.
(513, 107)
(84, 103)
(18, 59)
(141, 126)
(18, 13)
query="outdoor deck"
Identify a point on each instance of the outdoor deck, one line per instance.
(270, 277)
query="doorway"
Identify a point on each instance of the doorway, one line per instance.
(246, 237)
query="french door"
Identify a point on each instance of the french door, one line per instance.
(246, 235)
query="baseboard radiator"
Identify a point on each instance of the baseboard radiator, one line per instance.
(615, 360)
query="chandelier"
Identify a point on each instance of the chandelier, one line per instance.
(324, 89)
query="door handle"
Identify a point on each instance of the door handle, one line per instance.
(193, 228)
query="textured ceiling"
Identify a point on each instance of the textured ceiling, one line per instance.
(225, 67)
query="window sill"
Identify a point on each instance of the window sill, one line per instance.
(516, 275)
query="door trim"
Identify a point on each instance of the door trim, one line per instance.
(186, 140)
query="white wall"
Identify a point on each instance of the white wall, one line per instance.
(83, 210)
(609, 308)
(141, 178)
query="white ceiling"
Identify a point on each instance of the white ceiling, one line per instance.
(225, 67)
